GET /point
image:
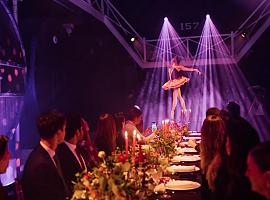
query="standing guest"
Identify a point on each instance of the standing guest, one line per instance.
(106, 134)
(4, 160)
(87, 147)
(242, 137)
(69, 155)
(258, 169)
(42, 176)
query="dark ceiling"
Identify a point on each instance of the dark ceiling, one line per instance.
(147, 16)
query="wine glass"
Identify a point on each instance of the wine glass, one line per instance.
(156, 175)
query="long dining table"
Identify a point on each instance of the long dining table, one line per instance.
(195, 176)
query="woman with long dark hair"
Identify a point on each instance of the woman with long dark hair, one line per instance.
(106, 134)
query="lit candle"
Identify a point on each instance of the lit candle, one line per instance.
(167, 125)
(126, 143)
(163, 125)
(140, 148)
(134, 142)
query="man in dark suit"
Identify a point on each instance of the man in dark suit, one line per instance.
(4, 160)
(42, 176)
(69, 155)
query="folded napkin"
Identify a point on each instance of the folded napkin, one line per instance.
(160, 188)
(186, 158)
(181, 168)
(182, 185)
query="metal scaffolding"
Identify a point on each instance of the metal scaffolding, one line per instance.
(142, 50)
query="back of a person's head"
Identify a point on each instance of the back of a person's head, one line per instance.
(133, 113)
(74, 123)
(3, 145)
(242, 137)
(49, 123)
(212, 133)
(119, 120)
(212, 111)
(233, 109)
(224, 114)
(261, 155)
(105, 126)
(213, 124)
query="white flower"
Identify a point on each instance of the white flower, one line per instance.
(79, 194)
(101, 154)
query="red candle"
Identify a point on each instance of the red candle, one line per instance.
(140, 148)
(134, 143)
(126, 143)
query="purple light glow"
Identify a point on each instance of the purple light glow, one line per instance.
(217, 85)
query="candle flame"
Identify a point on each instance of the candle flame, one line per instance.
(139, 137)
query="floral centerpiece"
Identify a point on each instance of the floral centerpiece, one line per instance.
(168, 138)
(116, 177)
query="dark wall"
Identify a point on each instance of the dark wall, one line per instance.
(87, 71)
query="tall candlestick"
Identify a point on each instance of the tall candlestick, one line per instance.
(126, 143)
(167, 125)
(140, 148)
(134, 143)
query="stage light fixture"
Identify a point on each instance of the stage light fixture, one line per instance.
(243, 35)
(207, 16)
(132, 39)
(165, 18)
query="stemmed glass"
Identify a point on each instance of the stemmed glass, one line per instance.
(165, 180)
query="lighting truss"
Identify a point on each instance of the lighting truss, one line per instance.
(142, 49)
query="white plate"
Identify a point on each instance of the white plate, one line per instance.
(182, 185)
(193, 158)
(191, 137)
(182, 168)
(188, 150)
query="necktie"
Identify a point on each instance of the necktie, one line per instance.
(59, 170)
(80, 158)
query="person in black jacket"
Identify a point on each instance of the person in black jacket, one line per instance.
(42, 176)
(69, 155)
(4, 160)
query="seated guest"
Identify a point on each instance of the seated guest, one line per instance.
(212, 111)
(87, 147)
(134, 117)
(70, 157)
(120, 123)
(225, 173)
(42, 176)
(209, 111)
(4, 160)
(212, 134)
(106, 134)
(258, 169)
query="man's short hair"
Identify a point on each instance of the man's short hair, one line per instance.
(74, 123)
(49, 123)
(3, 145)
(233, 108)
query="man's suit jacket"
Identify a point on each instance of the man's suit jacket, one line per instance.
(69, 163)
(41, 179)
